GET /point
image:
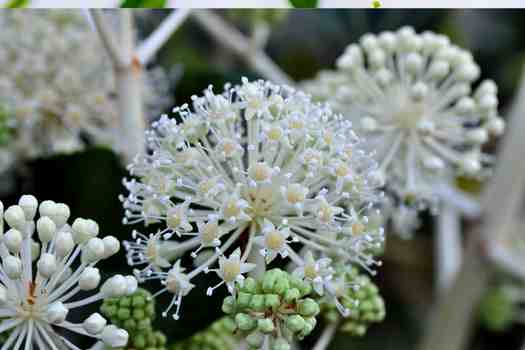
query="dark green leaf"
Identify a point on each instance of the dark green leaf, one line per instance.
(304, 3)
(17, 3)
(144, 3)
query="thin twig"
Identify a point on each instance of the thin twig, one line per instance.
(451, 323)
(234, 40)
(108, 39)
(150, 46)
(448, 247)
(326, 337)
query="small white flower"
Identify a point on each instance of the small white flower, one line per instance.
(231, 271)
(35, 303)
(274, 241)
(410, 96)
(318, 272)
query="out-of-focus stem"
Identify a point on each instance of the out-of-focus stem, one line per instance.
(326, 337)
(233, 40)
(448, 247)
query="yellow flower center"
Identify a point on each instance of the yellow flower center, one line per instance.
(230, 270)
(274, 240)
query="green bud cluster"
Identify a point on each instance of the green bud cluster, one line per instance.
(254, 16)
(218, 336)
(277, 308)
(497, 310)
(364, 302)
(5, 127)
(135, 313)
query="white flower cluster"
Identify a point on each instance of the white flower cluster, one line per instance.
(40, 283)
(410, 97)
(58, 83)
(259, 170)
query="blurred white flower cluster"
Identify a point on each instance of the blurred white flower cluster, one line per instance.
(58, 84)
(258, 171)
(35, 300)
(410, 97)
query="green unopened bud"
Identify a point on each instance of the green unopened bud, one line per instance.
(281, 344)
(272, 301)
(269, 280)
(249, 286)
(255, 339)
(295, 323)
(245, 322)
(307, 307)
(257, 302)
(292, 295)
(281, 285)
(228, 305)
(265, 325)
(244, 299)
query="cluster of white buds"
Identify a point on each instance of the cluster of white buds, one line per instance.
(58, 83)
(410, 97)
(42, 275)
(258, 169)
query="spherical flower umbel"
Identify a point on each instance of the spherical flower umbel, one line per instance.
(63, 93)
(36, 299)
(410, 96)
(259, 170)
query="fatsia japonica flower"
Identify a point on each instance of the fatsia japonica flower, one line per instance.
(48, 272)
(59, 85)
(411, 96)
(245, 176)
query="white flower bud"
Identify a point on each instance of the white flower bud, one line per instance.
(111, 246)
(94, 324)
(387, 40)
(13, 241)
(93, 251)
(12, 267)
(368, 42)
(477, 136)
(47, 265)
(487, 87)
(413, 63)
(56, 313)
(3, 295)
(433, 163)
(29, 204)
(377, 58)
(438, 69)
(47, 208)
(488, 102)
(15, 217)
(46, 229)
(61, 214)
(64, 244)
(132, 285)
(496, 126)
(468, 72)
(91, 228)
(419, 91)
(116, 286)
(114, 337)
(470, 165)
(368, 124)
(465, 105)
(89, 279)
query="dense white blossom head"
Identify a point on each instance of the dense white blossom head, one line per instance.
(48, 272)
(411, 97)
(257, 170)
(59, 85)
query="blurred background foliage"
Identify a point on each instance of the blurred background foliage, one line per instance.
(302, 43)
